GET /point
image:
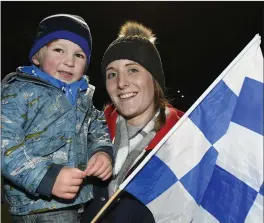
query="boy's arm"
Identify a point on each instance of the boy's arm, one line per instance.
(19, 163)
(98, 136)
(65, 184)
(48, 181)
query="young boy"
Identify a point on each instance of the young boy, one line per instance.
(52, 135)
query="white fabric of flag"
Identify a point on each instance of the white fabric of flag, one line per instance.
(209, 167)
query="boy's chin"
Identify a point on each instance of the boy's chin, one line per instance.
(66, 80)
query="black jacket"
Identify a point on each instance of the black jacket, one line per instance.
(125, 209)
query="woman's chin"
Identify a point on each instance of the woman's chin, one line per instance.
(128, 113)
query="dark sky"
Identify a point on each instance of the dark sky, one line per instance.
(196, 40)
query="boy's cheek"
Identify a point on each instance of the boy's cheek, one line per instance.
(48, 64)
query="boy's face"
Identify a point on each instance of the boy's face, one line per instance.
(62, 59)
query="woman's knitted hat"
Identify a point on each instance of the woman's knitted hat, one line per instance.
(137, 43)
(63, 26)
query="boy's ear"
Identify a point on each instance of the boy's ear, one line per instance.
(35, 60)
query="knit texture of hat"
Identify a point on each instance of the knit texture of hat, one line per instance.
(63, 26)
(137, 43)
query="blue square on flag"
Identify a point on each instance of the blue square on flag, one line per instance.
(249, 109)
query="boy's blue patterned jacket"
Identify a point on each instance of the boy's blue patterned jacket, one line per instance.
(41, 128)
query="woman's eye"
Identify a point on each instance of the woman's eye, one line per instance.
(133, 70)
(58, 50)
(111, 75)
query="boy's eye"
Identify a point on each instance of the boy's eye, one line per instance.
(80, 55)
(58, 50)
(111, 75)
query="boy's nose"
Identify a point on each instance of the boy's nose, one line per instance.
(69, 61)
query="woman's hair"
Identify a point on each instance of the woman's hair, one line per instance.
(160, 102)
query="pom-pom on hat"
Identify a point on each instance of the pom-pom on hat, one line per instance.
(63, 26)
(137, 43)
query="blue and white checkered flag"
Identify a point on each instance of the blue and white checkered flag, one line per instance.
(209, 167)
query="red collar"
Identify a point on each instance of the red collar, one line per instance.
(173, 117)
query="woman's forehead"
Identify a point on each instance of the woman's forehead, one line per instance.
(122, 63)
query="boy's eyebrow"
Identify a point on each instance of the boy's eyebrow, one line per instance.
(64, 45)
(81, 51)
(54, 44)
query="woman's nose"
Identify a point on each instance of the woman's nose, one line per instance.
(123, 81)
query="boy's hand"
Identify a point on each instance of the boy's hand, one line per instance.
(68, 182)
(99, 165)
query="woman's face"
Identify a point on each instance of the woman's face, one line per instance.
(131, 89)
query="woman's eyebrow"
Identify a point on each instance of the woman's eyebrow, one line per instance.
(109, 68)
(131, 64)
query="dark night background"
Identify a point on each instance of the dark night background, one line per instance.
(196, 40)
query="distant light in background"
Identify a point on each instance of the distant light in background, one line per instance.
(178, 91)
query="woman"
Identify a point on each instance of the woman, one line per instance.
(139, 116)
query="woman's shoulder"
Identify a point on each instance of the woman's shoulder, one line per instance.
(173, 114)
(111, 117)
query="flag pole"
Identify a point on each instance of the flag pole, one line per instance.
(106, 206)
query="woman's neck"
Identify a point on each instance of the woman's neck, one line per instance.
(140, 120)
